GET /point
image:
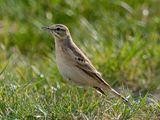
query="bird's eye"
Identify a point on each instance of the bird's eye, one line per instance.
(58, 29)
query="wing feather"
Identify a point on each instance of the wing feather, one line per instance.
(83, 63)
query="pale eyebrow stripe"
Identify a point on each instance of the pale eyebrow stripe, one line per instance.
(62, 29)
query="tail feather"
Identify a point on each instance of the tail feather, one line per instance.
(107, 87)
(119, 95)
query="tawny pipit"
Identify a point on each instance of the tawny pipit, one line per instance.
(74, 65)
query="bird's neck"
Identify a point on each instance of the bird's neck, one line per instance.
(63, 43)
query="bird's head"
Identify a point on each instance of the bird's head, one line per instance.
(58, 30)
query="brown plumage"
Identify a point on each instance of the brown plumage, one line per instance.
(73, 63)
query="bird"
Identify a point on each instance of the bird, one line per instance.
(74, 65)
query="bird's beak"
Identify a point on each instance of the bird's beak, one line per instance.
(45, 28)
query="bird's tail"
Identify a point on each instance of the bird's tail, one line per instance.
(107, 87)
(119, 95)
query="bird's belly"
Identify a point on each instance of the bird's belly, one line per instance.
(74, 74)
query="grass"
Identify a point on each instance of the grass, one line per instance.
(120, 37)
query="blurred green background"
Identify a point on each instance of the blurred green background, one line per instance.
(121, 38)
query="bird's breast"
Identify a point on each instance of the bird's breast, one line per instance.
(63, 63)
(69, 70)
